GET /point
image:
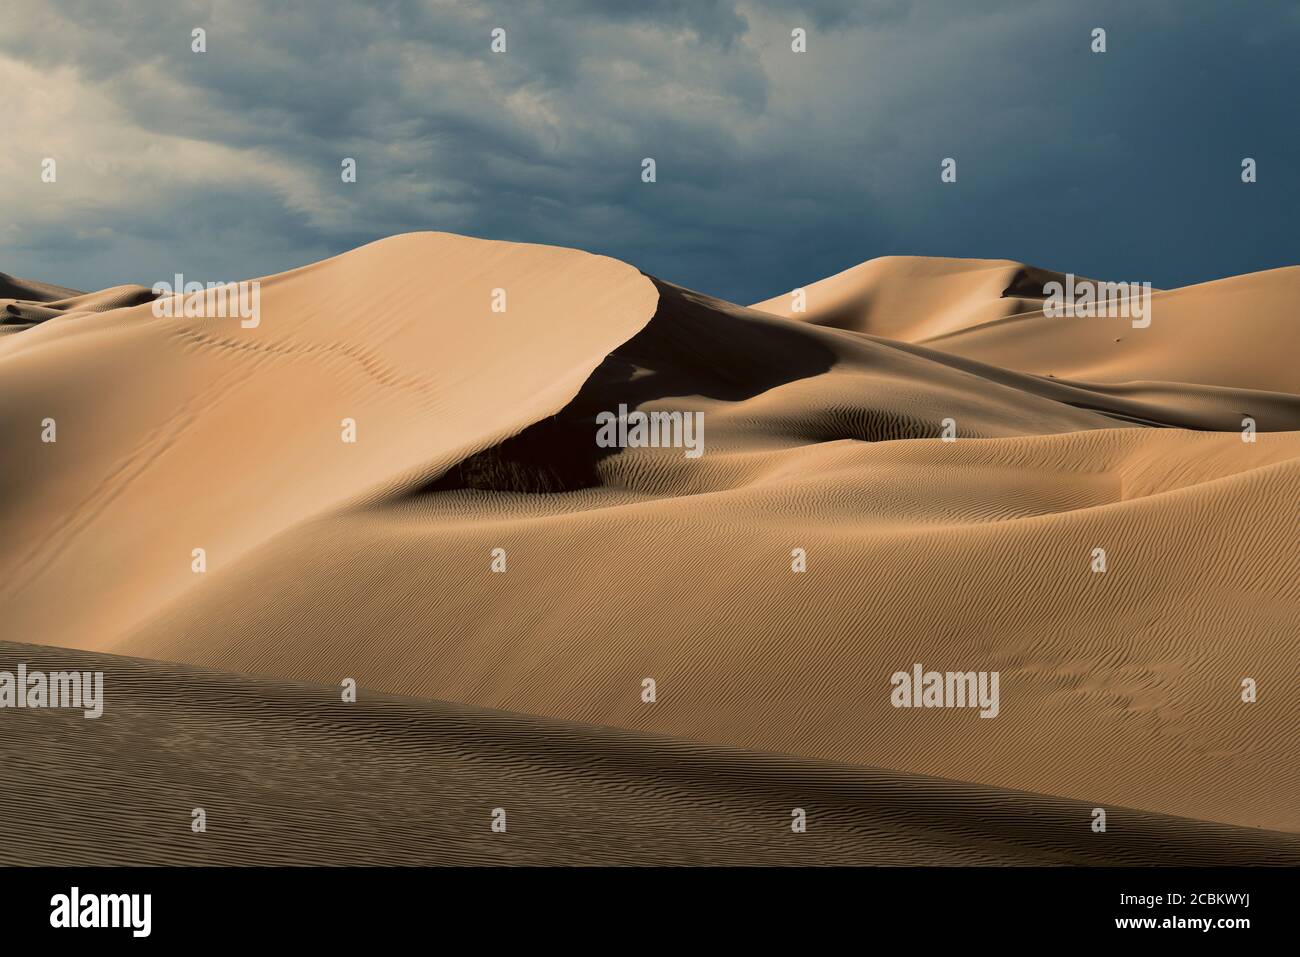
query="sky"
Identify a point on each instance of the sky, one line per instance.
(773, 168)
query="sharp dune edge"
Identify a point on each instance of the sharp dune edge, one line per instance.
(476, 431)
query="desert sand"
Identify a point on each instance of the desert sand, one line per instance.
(288, 774)
(373, 560)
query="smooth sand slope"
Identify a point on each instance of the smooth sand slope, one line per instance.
(373, 560)
(176, 434)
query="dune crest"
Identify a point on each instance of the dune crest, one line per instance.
(176, 434)
(917, 298)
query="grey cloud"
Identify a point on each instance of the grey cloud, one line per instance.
(774, 168)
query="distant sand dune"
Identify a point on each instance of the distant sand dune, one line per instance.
(11, 287)
(1212, 334)
(822, 432)
(917, 298)
(24, 302)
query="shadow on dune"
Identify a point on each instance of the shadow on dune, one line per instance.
(579, 794)
(694, 345)
(697, 347)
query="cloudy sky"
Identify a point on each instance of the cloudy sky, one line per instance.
(774, 168)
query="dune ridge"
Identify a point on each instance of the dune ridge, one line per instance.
(157, 417)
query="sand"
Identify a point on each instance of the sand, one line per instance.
(373, 560)
(287, 774)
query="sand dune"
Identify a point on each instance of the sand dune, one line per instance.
(1198, 365)
(288, 774)
(916, 298)
(373, 560)
(24, 302)
(178, 434)
(981, 562)
(13, 288)
(1215, 334)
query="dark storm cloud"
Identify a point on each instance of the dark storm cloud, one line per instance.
(774, 168)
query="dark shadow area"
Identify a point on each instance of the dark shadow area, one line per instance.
(694, 345)
(1028, 283)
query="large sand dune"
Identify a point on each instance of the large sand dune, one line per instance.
(287, 774)
(475, 431)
